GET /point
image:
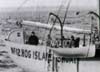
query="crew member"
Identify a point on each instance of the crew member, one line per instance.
(72, 42)
(33, 39)
(77, 41)
(48, 41)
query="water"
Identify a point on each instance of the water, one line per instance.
(6, 63)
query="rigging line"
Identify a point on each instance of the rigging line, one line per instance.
(66, 12)
(63, 1)
(57, 13)
(61, 5)
(37, 9)
(25, 1)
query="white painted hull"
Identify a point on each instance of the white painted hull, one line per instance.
(34, 63)
(29, 63)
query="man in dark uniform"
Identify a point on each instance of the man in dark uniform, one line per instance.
(77, 42)
(33, 39)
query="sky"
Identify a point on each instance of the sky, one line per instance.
(32, 3)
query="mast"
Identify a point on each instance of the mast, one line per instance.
(64, 22)
(66, 12)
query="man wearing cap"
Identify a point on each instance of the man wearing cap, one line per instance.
(33, 39)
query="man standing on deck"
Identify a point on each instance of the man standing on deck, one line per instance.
(72, 42)
(33, 39)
